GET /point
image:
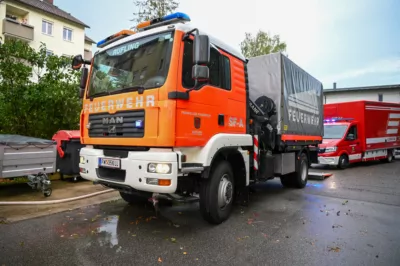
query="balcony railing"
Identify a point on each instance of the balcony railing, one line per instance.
(13, 28)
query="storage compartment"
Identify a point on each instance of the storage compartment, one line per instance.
(68, 148)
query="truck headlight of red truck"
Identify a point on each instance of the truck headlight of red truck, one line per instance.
(330, 149)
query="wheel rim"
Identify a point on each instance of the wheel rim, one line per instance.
(390, 156)
(225, 191)
(344, 162)
(303, 172)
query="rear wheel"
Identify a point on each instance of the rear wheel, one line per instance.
(216, 194)
(390, 156)
(299, 178)
(343, 161)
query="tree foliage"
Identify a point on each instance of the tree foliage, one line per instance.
(151, 9)
(261, 44)
(38, 92)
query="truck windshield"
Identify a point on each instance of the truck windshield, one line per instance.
(139, 64)
(334, 131)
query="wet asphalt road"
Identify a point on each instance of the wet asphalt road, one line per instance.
(351, 218)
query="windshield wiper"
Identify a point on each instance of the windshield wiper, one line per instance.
(139, 89)
(103, 93)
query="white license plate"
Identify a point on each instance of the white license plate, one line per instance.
(110, 163)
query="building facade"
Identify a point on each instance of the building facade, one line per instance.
(36, 21)
(385, 93)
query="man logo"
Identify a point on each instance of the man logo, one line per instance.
(112, 129)
(113, 120)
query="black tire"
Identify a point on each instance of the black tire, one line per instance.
(390, 156)
(211, 196)
(343, 161)
(134, 198)
(299, 178)
(287, 180)
(47, 192)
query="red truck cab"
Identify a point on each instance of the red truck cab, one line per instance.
(359, 131)
(341, 144)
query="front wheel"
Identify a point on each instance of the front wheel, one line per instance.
(343, 161)
(216, 194)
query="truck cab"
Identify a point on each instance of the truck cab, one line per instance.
(341, 144)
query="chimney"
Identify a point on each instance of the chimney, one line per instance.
(334, 85)
(50, 1)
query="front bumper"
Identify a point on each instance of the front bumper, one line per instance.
(333, 160)
(133, 171)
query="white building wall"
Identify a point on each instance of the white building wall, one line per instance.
(55, 41)
(391, 95)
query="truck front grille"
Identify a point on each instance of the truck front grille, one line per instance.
(128, 124)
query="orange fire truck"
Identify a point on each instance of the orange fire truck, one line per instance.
(172, 112)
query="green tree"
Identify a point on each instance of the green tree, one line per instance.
(38, 92)
(261, 44)
(151, 9)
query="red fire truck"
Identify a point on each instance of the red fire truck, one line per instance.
(359, 131)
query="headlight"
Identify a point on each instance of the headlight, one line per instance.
(159, 168)
(82, 160)
(331, 149)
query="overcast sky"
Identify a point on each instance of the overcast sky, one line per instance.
(355, 43)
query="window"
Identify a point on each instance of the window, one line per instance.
(49, 52)
(353, 131)
(47, 27)
(227, 73)
(380, 97)
(67, 34)
(220, 71)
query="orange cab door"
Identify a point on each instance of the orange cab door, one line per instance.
(218, 106)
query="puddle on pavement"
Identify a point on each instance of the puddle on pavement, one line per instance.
(98, 225)
(88, 223)
(109, 230)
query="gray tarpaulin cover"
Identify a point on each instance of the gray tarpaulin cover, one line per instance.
(6, 139)
(297, 95)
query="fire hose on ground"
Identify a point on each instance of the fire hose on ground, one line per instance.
(54, 201)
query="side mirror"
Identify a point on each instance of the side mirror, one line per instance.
(84, 78)
(201, 57)
(201, 50)
(351, 137)
(77, 62)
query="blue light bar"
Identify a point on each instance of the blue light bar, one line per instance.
(177, 15)
(168, 19)
(338, 119)
(101, 42)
